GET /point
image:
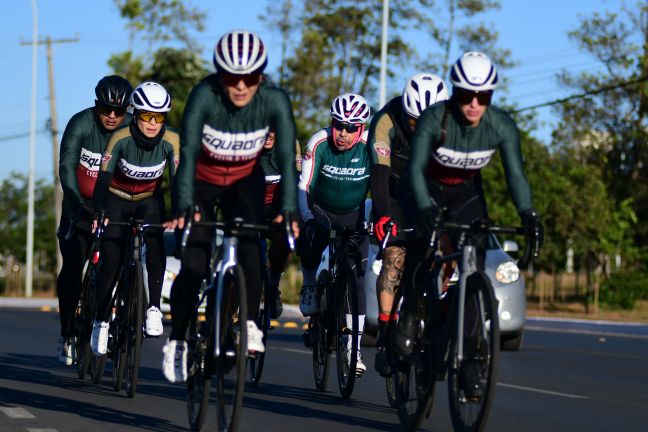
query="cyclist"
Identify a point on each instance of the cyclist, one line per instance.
(278, 252)
(444, 173)
(83, 143)
(129, 186)
(333, 187)
(224, 126)
(390, 133)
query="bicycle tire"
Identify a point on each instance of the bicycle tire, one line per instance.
(97, 368)
(472, 414)
(390, 387)
(346, 303)
(229, 367)
(134, 328)
(198, 367)
(257, 361)
(118, 351)
(415, 386)
(319, 336)
(83, 318)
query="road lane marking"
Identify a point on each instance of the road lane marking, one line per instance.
(548, 392)
(17, 413)
(41, 430)
(298, 351)
(586, 332)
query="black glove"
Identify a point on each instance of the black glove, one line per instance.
(426, 221)
(533, 226)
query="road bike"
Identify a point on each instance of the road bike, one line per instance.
(329, 329)
(217, 345)
(128, 305)
(457, 329)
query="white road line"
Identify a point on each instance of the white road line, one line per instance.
(17, 413)
(586, 332)
(41, 430)
(536, 390)
(298, 351)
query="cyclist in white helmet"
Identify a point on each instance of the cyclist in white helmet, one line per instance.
(332, 190)
(224, 126)
(129, 185)
(444, 175)
(390, 133)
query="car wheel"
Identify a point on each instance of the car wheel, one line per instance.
(512, 342)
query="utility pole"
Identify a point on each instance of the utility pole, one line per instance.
(53, 126)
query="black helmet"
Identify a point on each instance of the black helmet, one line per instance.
(113, 91)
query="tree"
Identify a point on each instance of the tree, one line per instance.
(610, 129)
(13, 218)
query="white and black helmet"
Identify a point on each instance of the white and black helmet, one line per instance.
(475, 72)
(240, 52)
(421, 91)
(151, 96)
(350, 108)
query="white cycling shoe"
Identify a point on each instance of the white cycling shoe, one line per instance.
(99, 338)
(174, 363)
(154, 325)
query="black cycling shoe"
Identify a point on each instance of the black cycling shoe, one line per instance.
(471, 380)
(381, 363)
(405, 334)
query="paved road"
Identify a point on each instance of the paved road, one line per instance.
(568, 376)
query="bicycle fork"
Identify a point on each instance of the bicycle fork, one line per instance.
(468, 267)
(228, 262)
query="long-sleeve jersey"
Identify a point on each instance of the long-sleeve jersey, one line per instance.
(389, 150)
(272, 173)
(133, 172)
(465, 151)
(337, 181)
(220, 143)
(82, 146)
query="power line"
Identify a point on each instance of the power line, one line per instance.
(21, 135)
(582, 95)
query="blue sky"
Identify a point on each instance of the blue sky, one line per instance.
(534, 31)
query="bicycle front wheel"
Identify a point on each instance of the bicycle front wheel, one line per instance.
(347, 332)
(263, 323)
(198, 367)
(414, 383)
(471, 381)
(229, 366)
(134, 328)
(83, 317)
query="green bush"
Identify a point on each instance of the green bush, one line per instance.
(623, 289)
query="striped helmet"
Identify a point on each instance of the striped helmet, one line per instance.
(421, 91)
(151, 96)
(475, 72)
(240, 53)
(350, 108)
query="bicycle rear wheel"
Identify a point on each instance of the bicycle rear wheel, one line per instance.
(229, 366)
(134, 328)
(481, 349)
(346, 332)
(263, 323)
(198, 367)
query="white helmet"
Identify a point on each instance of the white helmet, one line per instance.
(240, 52)
(474, 71)
(350, 108)
(421, 91)
(151, 96)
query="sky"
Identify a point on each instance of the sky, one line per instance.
(534, 31)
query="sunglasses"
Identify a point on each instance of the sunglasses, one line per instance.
(106, 110)
(146, 116)
(465, 97)
(340, 126)
(231, 80)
